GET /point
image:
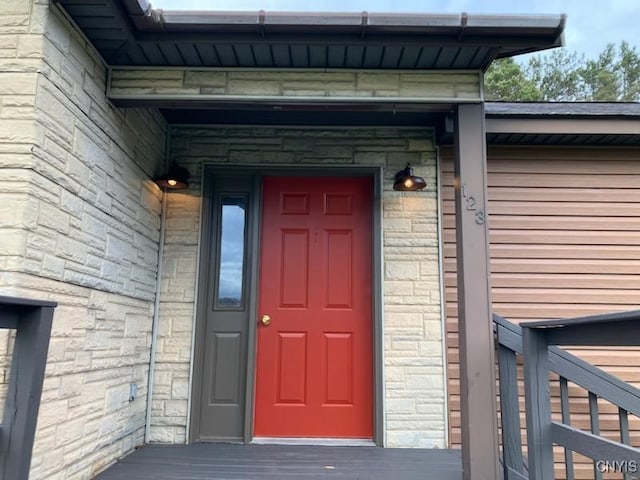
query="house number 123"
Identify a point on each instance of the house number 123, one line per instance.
(471, 205)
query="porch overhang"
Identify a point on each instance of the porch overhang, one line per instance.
(131, 32)
(429, 63)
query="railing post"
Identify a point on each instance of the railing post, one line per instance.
(32, 321)
(541, 356)
(538, 403)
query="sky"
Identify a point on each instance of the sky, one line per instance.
(591, 24)
(232, 252)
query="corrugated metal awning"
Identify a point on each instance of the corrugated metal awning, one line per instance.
(131, 32)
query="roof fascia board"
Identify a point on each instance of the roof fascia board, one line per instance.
(424, 22)
(511, 35)
(565, 126)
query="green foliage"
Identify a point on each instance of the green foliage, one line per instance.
(629, 73)
(556, 75)
(505, 80)
(564, 76)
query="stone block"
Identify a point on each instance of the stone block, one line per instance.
(71, 249)
(378, 81)
(51, 216)
(13, 242)
(52, 413)
(18, 83)
(30, 46)
(12, 7)
(400, 405)
(18, 131)
(18, 211)
(176, 408)
(205, 78)
(402, 270)
(53, 267)
(180, 389)
(253, 87)
(394, 224)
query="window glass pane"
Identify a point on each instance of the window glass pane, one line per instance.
(231, 272)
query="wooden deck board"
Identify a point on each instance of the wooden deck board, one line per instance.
(245, 462)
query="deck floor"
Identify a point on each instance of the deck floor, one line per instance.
(234, 462)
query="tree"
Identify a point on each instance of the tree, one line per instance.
(629, 73)
(505, 80)
(600, 77)
(564, 76)
(556, 75)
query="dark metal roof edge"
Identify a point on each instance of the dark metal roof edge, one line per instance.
(137, 30)
(532, 32)
(558, 110)
(552, 24)
(477, 21)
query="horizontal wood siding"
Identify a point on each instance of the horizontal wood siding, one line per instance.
(565, 241)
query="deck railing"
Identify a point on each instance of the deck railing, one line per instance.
(31, 320)
(536, 342)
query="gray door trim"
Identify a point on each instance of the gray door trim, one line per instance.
(258, 171)
(201, 309)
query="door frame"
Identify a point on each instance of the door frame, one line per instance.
(257, 172)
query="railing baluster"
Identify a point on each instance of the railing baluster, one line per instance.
(566, 419)
(625, 437)
(509, 412)
(595, 427)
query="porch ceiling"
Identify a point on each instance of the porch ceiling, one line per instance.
(131, 32)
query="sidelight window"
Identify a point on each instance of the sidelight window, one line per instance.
(231, 268)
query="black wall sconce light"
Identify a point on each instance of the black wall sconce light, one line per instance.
(406, 181)
(176, 178)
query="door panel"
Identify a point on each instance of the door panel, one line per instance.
(314, 360)
(226, 369)
(292, 346)
(337, 378)
(294, 269)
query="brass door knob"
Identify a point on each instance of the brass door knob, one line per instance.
(265, 320)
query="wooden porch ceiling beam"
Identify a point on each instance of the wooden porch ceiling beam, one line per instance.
(477, 367)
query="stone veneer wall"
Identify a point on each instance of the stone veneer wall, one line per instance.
(79, 223)
(413, 356)
(196, 84)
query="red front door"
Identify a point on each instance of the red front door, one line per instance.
(314, 361)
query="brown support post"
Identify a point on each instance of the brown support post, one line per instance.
(477, 366)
